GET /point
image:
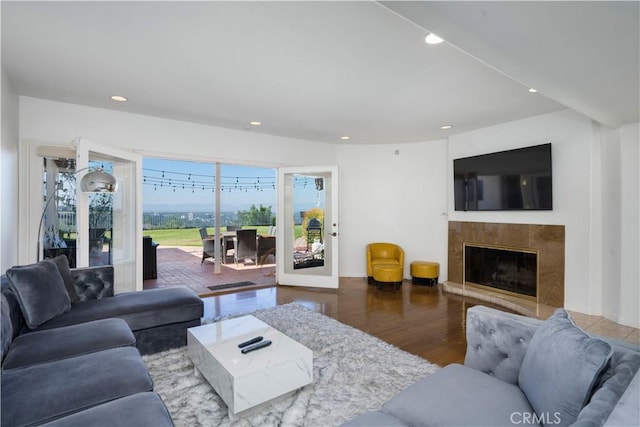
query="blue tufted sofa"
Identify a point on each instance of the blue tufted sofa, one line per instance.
(71, 349)
(523, 371)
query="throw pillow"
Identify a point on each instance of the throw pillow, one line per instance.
(40, 292)
(63, 266)
(560, 368)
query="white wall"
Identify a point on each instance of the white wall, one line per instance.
(572, 139)
(629, 302)
(393, 198)
(9, 176)
(57, 121)
(621, 225)
(611, 223)
(599, 215)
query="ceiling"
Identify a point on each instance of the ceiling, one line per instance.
(321, 70)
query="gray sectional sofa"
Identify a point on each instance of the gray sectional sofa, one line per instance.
(523, 371)
(71, 349)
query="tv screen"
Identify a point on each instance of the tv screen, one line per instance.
(507, 180)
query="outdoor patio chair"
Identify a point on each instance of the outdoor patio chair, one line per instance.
(266, 247)
(246, 245)
(208, 248)
(228, 245)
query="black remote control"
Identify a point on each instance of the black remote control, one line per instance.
(256, 346)
(249, 342)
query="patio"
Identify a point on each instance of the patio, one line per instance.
(181, 265)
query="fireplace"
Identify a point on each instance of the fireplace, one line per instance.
(503, 269)
(546, 242)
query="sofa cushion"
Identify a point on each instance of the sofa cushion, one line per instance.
(560, 368)
(457, 395)
(39, 289)
(93, 282)
(140, 410)
(68, 341)
(62, 263)
(43, 392)
(141, 310)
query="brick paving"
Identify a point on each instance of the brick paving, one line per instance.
(180, 266)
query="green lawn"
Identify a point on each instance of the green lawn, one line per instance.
(175, 236)
(191, 236)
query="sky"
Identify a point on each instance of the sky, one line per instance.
(177, 186)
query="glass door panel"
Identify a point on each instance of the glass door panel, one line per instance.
(307, 226)
(110, 224)
(101, 221)
(58, 227)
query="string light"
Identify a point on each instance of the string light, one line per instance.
(177, 180)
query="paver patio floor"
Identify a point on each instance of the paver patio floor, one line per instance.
(181, 266)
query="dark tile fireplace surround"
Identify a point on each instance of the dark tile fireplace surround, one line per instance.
(514, 256)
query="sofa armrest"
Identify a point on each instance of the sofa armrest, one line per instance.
(93, 282)
(497, 341)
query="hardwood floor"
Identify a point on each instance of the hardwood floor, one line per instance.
(419, 319)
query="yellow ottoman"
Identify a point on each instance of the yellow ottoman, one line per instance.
(387, 273)
(425, 272)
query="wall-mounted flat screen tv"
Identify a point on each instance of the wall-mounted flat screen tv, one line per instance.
(517, 179)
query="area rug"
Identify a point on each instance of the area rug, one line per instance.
(353, 373)
(231, 285)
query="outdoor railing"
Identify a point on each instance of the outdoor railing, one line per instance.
(153, 221)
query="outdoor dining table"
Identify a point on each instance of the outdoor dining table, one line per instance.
(264, 243)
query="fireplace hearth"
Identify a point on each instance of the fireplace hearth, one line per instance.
(502, 269)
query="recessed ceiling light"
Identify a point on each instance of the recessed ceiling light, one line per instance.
(255, 123)
(433, 39)
(119, 98)
(345, 138)
(532, 90)
(445, 127)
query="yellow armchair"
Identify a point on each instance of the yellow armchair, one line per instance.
(383, 253)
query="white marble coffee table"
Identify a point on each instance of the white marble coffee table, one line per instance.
(245, 381)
